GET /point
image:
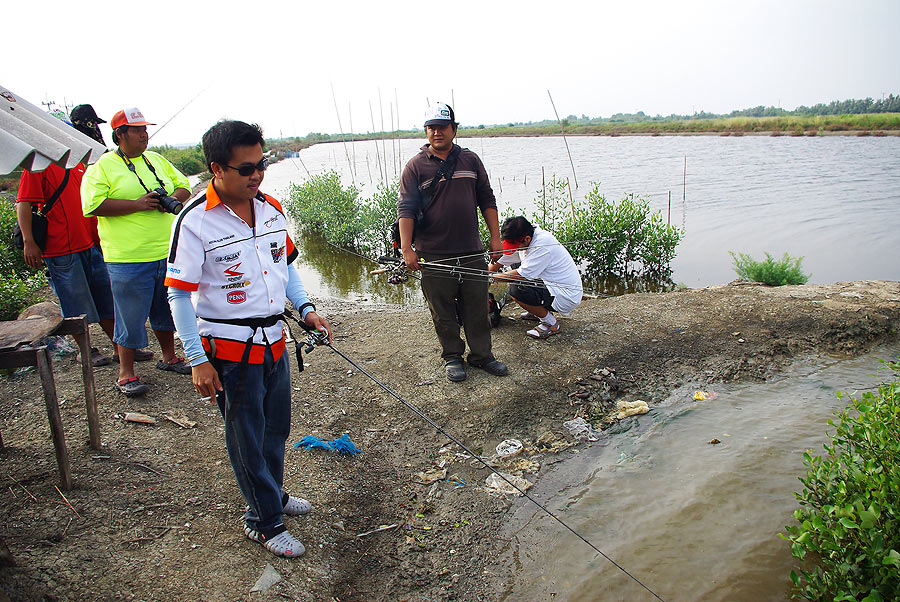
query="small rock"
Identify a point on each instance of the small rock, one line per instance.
(268, 578)
(714, 441)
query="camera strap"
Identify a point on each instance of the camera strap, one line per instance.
(132, 169)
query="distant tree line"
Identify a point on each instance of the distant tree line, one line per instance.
(888, 104)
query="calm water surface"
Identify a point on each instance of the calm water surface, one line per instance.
(693, 521)
(832, 200)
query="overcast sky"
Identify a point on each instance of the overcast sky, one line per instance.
(275, 62)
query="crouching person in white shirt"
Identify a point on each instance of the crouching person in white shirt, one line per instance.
(547, 280)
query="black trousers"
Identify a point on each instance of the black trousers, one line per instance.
(444, 293)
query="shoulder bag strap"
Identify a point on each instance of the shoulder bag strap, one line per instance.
(49, 204)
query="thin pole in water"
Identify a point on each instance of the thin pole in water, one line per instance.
(563, 130)
(397, 102)
(544, 195)
(393, 132)
(383, 148)
(571, 198)
(684, 181)
(352, 145)
(377, 155)
(669, 216)
(341, 129)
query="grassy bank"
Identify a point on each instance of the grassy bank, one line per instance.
(790, 125)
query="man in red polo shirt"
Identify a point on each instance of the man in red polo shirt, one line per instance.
(72, 254)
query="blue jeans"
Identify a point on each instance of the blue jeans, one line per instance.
(139, 292)
(257, 423)
(81, 282)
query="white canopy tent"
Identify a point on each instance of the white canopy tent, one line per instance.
(32, 139)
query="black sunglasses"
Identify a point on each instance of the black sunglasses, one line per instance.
(246, 170)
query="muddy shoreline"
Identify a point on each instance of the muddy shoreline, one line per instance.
(159, 514)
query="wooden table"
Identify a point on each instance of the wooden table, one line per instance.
(17, 350)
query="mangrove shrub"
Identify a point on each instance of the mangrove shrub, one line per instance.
(19, 283)
(848, 529)
(771, 271)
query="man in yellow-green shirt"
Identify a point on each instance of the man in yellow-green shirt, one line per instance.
(123, 190)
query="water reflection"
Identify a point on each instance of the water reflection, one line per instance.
(346, 275)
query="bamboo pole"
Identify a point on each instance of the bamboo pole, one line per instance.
(393, 133)
(544, 194)
(669, 216)
(352, 145)
(383, 148)
(571, 198)
(397, 103)
(684, 181)
(563, 130)
(377, 156)
(341, 129)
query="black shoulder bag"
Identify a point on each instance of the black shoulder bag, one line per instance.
(39, 221)
(445, 171)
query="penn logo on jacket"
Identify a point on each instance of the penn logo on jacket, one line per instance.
(236, 297)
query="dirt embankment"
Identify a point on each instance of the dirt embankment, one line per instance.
(159, 516)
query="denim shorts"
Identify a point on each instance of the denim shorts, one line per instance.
(139, 292)
(81, 282)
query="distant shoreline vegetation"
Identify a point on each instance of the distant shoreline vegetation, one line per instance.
(865, 117)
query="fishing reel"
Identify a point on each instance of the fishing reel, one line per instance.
(396, 270)
(314, 338)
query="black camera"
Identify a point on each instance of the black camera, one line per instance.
(168, 203)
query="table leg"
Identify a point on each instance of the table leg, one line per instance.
(45, 368)
(83, 337)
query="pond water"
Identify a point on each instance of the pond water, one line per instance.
(691, 520)
(832, 200)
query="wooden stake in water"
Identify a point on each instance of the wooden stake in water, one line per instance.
(341, 129)
(397, 103)
(383, 148)
(544, 195)
(377, 154)
(352, 145)
(669, 216)
(684, 181)
(563, 130)
(571, 198)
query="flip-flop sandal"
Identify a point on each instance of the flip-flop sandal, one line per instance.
(527, 315)
(131, 386)
(542, 331)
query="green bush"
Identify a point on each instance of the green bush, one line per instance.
(848, 527)
(17, 291)
(774, 273)
(189, 161)
(620, 238)
(378, 214)
(322, 206)
(18, 282)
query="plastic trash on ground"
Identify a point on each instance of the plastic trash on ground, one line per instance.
(631, 408)
(342, 445)
(495, 485)
(581, 429)
(509, 448)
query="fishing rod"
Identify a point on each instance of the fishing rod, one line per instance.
(316, 338)
(177, 112)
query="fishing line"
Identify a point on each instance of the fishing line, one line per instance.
(316, 337)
